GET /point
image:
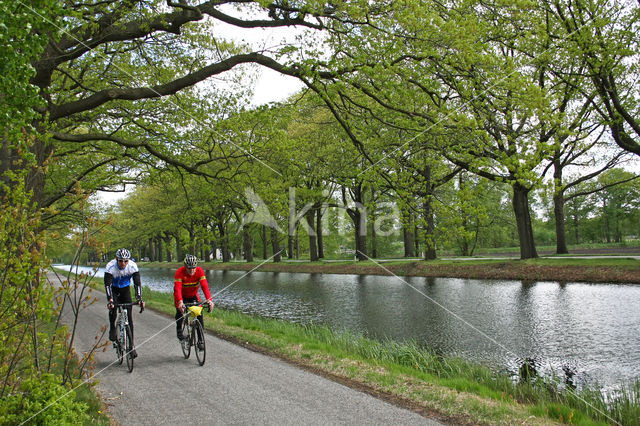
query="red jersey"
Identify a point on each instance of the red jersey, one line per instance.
(186, 285)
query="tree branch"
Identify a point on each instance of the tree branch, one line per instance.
(133, 94)
(138, 145)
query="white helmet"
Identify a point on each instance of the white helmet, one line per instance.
(190, 261)
(123, 254)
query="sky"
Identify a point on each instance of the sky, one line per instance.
(273, 87)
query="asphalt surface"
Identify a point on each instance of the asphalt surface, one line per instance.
(234, 386)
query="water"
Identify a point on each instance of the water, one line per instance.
(592, 329)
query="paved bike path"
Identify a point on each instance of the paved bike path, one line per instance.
(235, 385)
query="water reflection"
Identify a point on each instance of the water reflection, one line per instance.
(591, 330)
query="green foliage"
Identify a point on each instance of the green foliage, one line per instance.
(474, 214)
(23, 299)
(604, 210)
(28, 344)
(20, 26)
(43, 401)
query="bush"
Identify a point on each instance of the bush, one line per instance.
(43, 401)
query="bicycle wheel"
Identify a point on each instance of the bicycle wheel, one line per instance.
(120, 343)
(129, 346)
(198, 339)
(186, 338)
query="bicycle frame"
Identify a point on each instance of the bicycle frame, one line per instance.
(193, 332)
(124, 343)
(122, 321)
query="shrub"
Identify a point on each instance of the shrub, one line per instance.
(43, 401)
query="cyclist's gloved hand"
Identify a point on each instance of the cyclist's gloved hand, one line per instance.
(110, 304)
(142, 304)
(181, 306)
(210, 303)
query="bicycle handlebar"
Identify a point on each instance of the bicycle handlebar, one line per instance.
(126, 304)
(197, 304)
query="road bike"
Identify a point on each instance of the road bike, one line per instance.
(124, 342)
(192, 332)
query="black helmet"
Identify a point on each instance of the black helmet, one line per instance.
(123, 254)
(190, 261)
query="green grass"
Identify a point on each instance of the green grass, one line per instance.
(86, 394)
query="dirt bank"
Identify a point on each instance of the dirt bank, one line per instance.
(617, 269)
(500, 270)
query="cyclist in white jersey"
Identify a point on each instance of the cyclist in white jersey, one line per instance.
(117, 284)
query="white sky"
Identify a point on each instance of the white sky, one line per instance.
(274, 87)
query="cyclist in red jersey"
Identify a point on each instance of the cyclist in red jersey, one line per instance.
(185, 289)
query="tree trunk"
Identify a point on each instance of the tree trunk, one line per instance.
(429, 241)
(214, 249)
(465, 244)
(247, 244)
(167, 244)
(275, 245)
(36, 178)
(291, 240)
(558, 213)
(374, 247)
(607, 225)
(179, 249)
(407, 236)
(225, 242)
(523, 220)
(558, 210)
(360, 226)
(313, 243)
(202, 250)
(192, 240)
(618, 231)
(150, 255)
(5, 163)
(429, 235)
(264, 242)
(159, 248)
(319, 233)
